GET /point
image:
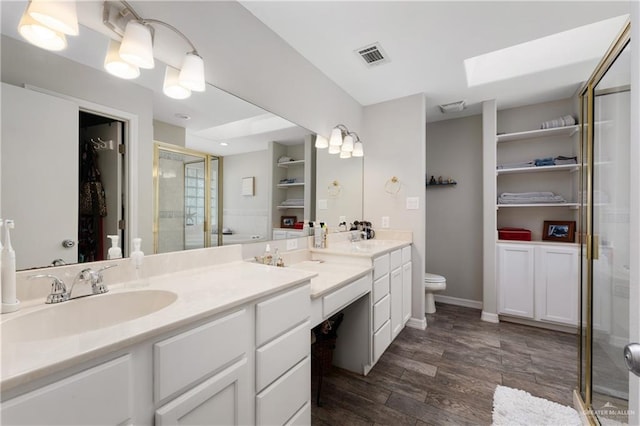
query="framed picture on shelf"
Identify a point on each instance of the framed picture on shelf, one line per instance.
(288, 221)
(559, 230)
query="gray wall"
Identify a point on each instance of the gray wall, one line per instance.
(454, 213)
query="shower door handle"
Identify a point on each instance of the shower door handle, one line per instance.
(632, 357)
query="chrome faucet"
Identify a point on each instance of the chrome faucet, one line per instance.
(59, 292)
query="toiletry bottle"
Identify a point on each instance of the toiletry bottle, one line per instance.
(276, 255)
(114, 252)
(268, 257)
(9, 301)
(323, 227)
(317, 236)
(137, 257)
(279, 260)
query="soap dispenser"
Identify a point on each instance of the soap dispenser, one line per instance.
(9, 301)
(268, 257)
(114, 252)
(137, 256)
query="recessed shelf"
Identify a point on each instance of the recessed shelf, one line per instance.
(537, 169)
(540, 133)
(571, 206)
(286, 164)
(290, 185)
(442, 184)
(290, 207)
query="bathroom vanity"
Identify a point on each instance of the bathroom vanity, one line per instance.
(229, 341)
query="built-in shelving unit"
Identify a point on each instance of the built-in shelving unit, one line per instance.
(290, 185)
(539, 133)
(538, 169)
(539, 205)
(287, 164)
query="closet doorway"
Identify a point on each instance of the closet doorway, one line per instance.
(101, 198)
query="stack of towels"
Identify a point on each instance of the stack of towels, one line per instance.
(292, 202)
(548, 161)
(566, 120)
(530, 198)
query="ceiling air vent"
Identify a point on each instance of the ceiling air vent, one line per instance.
(373, 54)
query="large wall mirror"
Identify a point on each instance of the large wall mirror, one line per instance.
(249, 142)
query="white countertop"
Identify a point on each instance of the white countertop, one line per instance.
(364, 248)
(201, 292)
(331, 276)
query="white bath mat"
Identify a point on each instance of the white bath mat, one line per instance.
(515, 407)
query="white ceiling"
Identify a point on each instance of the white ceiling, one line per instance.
(427, 42)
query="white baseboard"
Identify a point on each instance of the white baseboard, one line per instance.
(420, 324)
(489, 317)
(541, 324)
(467, 303)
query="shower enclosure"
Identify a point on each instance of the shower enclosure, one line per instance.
(605, 221)
(187, 199)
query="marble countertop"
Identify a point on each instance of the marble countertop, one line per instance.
(201, 293)
(363, 248)
(330, 275)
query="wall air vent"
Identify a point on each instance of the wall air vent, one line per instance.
(373, 54)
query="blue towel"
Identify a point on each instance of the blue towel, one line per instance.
(544, 161)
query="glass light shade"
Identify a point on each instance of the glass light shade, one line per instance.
(40, 35)
(357, 150)
(333, 149)
(192, 72)
(60, 16)
(117, 66)
(345, 154)
(336, 137)
(137, 47)
(321, 142)
(347, 144)
(172, 87)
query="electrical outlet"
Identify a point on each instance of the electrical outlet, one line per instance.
(385, 222)
(292, 244)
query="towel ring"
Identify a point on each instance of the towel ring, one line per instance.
(392, 186)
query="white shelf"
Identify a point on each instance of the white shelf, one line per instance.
(571, 206)
(291, 163)
(540, 133)
(290, 207)
(537, 169)
(290, 185)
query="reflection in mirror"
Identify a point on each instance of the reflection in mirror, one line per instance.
(214, 122)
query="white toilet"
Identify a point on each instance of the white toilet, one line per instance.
(432, 282)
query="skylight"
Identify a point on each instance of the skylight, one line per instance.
(585, 43)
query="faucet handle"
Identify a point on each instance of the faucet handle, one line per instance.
(58, 288)
(98, 286)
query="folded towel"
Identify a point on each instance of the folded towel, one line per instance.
(565, 160)
(566, 120)
(529, 198)
(544, 161)
(520, 165)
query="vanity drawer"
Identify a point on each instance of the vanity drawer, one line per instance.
(406, 254)
(395, 259)
(280, 401)
(278, 314)
(279, 355)
(342, 297)
(380, 266)
(381, 312)
(381, 340)
(302, 417)
(380, 288)
(199, 352)
(77, 399)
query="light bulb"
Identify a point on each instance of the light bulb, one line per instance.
(172, 87)
(137, 47)
(40, 35)
(192, 72)
(321, 142)
(117, 66)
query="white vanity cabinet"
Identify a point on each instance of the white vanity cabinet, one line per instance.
(395, 281)
(381, 325)
(539, 282)
(406, 284)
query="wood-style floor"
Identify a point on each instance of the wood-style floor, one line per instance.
(446, 374)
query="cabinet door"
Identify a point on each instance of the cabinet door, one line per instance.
(516, 279)
(406, 291)
(556, 284)
(221, 400)
(396, 302)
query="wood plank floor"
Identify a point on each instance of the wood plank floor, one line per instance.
(446, 374)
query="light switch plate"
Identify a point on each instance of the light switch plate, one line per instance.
(413, 203)
(292, 244)
(322, 205)
(385, 222)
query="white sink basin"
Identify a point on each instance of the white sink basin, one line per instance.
(84, 314)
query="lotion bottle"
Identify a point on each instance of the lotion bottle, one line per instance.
(267, 259)
(9, 301)
(114, 252)
(317, 236)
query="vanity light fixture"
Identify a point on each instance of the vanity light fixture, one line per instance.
(137, 48)
(45, 23)
(342, 141)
